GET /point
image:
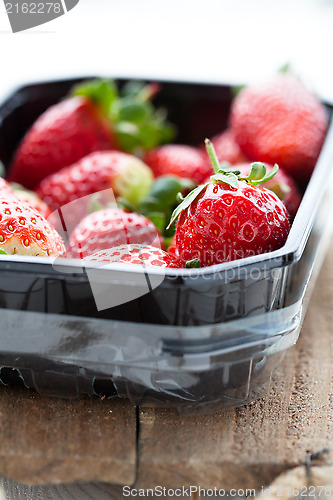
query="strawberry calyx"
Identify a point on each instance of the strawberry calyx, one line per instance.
(257, 176)
(192, 264)
(135, 122)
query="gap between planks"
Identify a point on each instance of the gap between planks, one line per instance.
(250, 446)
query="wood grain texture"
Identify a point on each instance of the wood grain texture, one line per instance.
(54, 441)
(250, 446)
(47, 440)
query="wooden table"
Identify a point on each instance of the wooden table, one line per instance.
(54, 441)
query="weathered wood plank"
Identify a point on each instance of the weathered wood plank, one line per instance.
(46, 440)
(252, 445)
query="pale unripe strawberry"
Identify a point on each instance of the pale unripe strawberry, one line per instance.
(23, 231)
(111, 227)
(125, 174)
(32, 199)
(144, 255)
(5, 188)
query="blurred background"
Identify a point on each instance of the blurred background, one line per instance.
(236, 41)
(212, 40)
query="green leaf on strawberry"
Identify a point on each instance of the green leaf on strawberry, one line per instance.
(132, 111)
(158, 219)
(227, 177)
(134, 119)
(191, 264)
(186, 203)
(258, 174)
(162, 199)
(163, 193)
(102, 92)
(2, 252)
(266, 177)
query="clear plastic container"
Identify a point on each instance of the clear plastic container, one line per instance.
(200, 340)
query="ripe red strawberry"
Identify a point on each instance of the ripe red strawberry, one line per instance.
(173, 247)
(23, 231)
(227, 149)
(95, 118)
(144, 255)
(32, 199)
(61, 136)
(111, 227)
(228, 219)
(125, 174)
(280, 122)
(180, 160)
(5, 188)
(282, 184)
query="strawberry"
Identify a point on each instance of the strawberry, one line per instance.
(94, 118)
(111, 227)
(280, 122)
(32, 199)
(125, 174)
(62, 135)
(23, 231)
(179, 160)
(173, 250)
(5, 188)
(144, 255)
(229, 218)
(282, 184)
(227, 149)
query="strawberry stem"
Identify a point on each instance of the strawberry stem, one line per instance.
(212, 156)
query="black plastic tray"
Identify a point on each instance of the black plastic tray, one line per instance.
(187, 354)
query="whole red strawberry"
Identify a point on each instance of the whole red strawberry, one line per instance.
(111, 227)
(173, 246)
(227, 149)
(179, 160)
(280, 122)
(95, 118)
(62, 135)
(126, 175)
(144, 255)
(23, 231)
(228, 219)
(282, 184)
